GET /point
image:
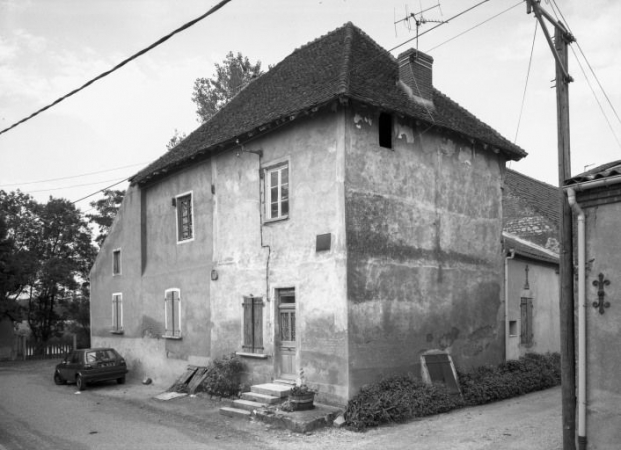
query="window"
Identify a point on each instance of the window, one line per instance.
(116, 262)
(385, 130)
(286, 315)
(513, 328)
(185, 226)
(117, 313)
(172, 313)
(253, 325)
(277, 192)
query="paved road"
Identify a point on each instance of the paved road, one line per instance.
(36, 414)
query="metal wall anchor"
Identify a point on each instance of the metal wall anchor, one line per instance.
(600, 303)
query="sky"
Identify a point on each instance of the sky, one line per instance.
(118, 125)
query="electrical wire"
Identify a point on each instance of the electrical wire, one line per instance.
(74, 186)
(601, 108)
(73, 176)
(530, 62)
(476, 26)
(101, 190)
(121, 64)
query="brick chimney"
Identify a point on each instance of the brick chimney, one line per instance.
(415, 75)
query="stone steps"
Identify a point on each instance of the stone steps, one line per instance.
(260, 395)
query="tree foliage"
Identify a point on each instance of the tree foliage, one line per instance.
(51, 243)
(107, 208)
(175, 140)
(211, 94)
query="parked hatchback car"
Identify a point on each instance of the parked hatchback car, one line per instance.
(90, 365)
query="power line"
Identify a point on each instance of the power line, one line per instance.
(101, 190)
(121, 64)
(530, 62)
(74, 186)
(476, 26)
(73, 176)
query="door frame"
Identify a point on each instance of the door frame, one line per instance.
(278, 294)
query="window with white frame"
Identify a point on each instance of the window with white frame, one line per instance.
(116, 262)
(277, 192)
(185, 225)
(117, 313)
(172, 313)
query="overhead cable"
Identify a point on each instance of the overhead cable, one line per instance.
(530, 62)
(121, 64)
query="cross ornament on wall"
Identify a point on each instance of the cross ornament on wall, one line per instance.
(600, 303)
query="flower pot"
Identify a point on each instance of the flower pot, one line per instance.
(302, 402)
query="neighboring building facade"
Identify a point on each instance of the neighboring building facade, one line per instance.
(532, 320)
(598, 193)
(530, 236)
(340, 215)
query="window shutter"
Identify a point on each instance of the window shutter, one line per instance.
(248, 323)
(258, 323)
(526, 313)
(168, 313)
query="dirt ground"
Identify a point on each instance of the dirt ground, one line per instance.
(530, 422)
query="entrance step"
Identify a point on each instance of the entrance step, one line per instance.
(272, 389)
(235, 412)
(285, 382)
(261, 398)
(247, 405)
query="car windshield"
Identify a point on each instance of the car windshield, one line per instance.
(100, 355)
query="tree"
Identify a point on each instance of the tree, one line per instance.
(55, 242)
(107, 208)
(175, 140)
(211, 94)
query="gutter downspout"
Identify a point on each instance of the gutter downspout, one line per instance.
(507, 258)
(579, 213)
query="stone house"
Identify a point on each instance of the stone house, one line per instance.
(595, 197)
(340, 215)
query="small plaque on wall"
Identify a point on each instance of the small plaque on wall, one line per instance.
(324, 241)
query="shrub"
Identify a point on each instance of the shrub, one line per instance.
(530, 373)
(397, 399)
(223, 377)
(400, 398)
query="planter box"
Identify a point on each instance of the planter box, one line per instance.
(302, 402)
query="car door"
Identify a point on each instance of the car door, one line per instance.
(73, 364)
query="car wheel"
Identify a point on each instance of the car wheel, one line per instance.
(121, 380)
(58, 379)
(80, 383)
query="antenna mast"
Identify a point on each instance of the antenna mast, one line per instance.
(418, 19)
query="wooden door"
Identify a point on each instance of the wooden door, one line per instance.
(286, 342)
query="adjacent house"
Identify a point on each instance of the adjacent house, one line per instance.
(340, 215)
(530, 239)
(595, 197)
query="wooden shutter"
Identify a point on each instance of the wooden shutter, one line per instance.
(440, 371)
(253, 324)
(257, 320)
(169, 313)
(117, 312)
(526, 326)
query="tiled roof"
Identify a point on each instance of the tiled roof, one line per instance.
(528, 249)
(604, 171)
(542, 197)
(345, 63)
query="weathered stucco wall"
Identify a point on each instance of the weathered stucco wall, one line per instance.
(313, 149)
(424, 257)
(603, 330)
(543, 280)
(152, 261)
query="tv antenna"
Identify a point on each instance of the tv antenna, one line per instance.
(418, 19)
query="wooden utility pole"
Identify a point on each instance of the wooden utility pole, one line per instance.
(562, 38)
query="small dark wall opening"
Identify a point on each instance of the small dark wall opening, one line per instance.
(385, 130)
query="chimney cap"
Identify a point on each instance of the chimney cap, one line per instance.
(416, 53)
